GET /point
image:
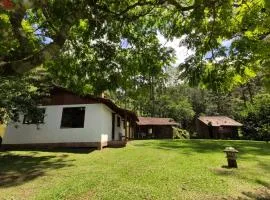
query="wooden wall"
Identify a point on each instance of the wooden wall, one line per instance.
(221, 132)
(158, 131)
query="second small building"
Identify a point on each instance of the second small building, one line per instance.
(155, 128)
(217, 127)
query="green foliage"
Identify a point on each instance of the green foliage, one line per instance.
(115, 68)
(92, 30)
(256, 118)
(231, 45)
(153, 98)
(22, 94)
(94, 46)
(179, 133)
(176, 106)
(86, 46)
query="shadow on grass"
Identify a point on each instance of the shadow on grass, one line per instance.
(77, 150)
(18, 169)
(263, 165)
(224, 171)
(208, 146)
(263, 183)
(258, 194)
(262, 193)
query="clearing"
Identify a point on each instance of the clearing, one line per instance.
(149, 169)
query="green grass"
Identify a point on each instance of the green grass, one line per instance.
(153, 169)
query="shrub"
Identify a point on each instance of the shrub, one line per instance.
(256, 122)
(179, 133)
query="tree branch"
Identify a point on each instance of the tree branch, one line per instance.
(141, 3)
(16, 23)
(29, 60)
(50, 51)
(179, 7)
(127, 9)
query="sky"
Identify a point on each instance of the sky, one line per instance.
(181, 51)
(46, 40)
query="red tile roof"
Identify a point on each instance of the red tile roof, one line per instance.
(156, 121)
(219, 121)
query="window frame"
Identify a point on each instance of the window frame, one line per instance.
(31, 121)
(62, 126)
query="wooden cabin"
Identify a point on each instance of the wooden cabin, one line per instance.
(217, 127)
(154, 128)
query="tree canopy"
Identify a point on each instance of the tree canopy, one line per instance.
(91, 46)
(34, 32)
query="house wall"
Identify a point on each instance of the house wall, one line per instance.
(230, 132)
(158, 131)
(130, 133)
(202, 129)
(106, 124)
(163, 132)
(131, 130)
(97, 127)
(218, 132)
(119, 130)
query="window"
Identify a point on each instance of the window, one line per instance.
(15, 117)
(73, 117)
(118, 121)
(35, 118)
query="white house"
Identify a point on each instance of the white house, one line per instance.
(72, 121)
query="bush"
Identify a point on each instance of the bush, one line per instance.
(194, 135)
(179, 133)
(257, 118)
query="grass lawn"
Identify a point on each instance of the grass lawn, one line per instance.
(153, 169)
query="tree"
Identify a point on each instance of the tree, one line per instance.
(39, 30)
(94, 69)
(256, 118)
(231, 47)
(80, 43)
(167, 101)
(94, 45)
(22, 95)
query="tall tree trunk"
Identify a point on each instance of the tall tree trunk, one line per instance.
(250, 92)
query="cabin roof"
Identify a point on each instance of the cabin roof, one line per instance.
(155, 121)
(219, 121)
(63, 96)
